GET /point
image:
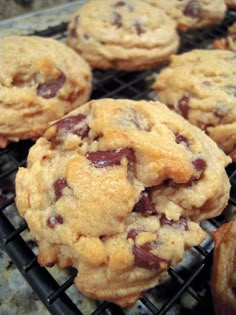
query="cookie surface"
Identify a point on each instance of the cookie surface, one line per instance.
(223, 281)
(200, 85)
(40, 80)
(192, 14)
(123, 35)
(228, 42)
(117, 189)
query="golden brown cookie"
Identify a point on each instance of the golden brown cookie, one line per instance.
(123, 35)
(228, 42)
(192, 14)
(40, 80)
(223, 281)
(117, 189)
(201, 86)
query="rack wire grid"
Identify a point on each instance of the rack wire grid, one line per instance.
(187, 290)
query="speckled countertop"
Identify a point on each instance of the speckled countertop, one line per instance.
(38, 20)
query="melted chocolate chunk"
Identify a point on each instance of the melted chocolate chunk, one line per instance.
(144, 205)
(139, 28)
(193, 9)
(73, 33)
(73, 30)
(183, 106)
(50, 89)
(72, 125)
(54, 220)
(116, 19)
(182, 139)
(170, 106)
(132, 234)
(58, 187)
(119, 4)
(144, 258)
(109, 158)
(199, 164)
(181, 223)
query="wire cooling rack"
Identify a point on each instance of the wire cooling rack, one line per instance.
(186, 291)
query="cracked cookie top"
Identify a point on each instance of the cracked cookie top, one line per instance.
(117, 189)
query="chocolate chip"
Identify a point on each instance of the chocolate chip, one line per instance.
(50, 89)
(109, 158)
(199, 164)
(144, 258)
(170, 106)
(193, 9)
(132, 234)
(54, 220)
(73, 33)
(183, 106)
(139, 28)
(58, 186)
(72, 124)
(73, 30)
(119, 4)
(181, 139)
(181, 223)
(116, 19)
(144, 205)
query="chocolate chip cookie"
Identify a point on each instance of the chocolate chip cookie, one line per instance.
(223, 281)
(117, 189)
(201, 86)
(122, 35)
(192, 14)
(41, 79)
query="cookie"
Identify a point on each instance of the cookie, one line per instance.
(223, 282)
(231, 3)
(192, 14)
(41, 79)
(200, 85)
(117, 189)
(228, 42)
(123, 35)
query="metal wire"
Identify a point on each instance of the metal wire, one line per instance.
(116, 85)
